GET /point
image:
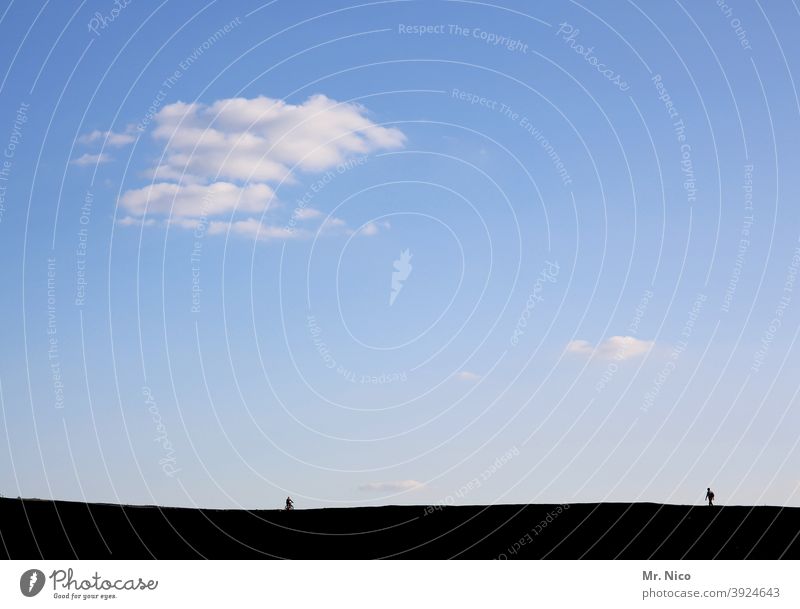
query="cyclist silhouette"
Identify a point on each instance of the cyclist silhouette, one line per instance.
(710, 496)
(289, 503)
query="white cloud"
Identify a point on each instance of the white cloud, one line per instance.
(255, 229)
(260, 139)
(615, 347)
(222, 158)
(109, 138)
(332, 224)
(197, 200)
(306, 213)
(392, 486)
(626, 347)
(370, 229)
(250, 227)
(580, 347)
(467, 376)
(130, 221)
(92, 159)
(187, 223)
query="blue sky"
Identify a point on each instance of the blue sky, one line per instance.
(204, 214)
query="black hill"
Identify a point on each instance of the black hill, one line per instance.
(33, 529)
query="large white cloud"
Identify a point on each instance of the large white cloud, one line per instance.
(223, 158)
(261, 139)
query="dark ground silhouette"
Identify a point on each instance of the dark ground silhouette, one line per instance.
(33, 529)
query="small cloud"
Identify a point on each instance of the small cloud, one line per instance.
(306, 213)
(109, 138)
(467, 376)
(616, 347)
(92, 159)
(580, 347)
(392, 486)
(626, 347)
(332, 224)
(370, 229)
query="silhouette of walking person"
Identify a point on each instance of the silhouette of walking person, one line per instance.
(289, 503)
(710, 496)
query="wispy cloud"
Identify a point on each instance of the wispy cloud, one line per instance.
(392, 486)
(467, 376)
(130, 221)
(109, 138)
(307, 213)
(251, 228)
(370, 229)
(614, 347)
(332, 224)
(92, 159)
(254, 229)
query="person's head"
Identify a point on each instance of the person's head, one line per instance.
(709, 488)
